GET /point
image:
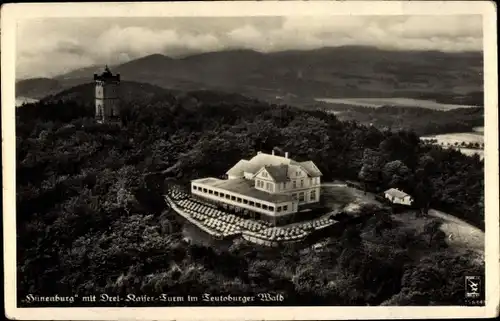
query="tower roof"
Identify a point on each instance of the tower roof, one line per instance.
(107, 75)
(107, 72)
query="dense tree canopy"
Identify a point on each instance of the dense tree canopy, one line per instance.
(91, 217)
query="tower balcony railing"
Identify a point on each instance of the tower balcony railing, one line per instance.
(107, 78)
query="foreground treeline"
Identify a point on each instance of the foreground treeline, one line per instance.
(90, 221)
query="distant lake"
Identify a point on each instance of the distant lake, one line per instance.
(401, 102)
(335, 112)
(24, 100)
(470, 152)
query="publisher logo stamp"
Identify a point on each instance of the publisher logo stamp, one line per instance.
(474, 290)
(472, 287)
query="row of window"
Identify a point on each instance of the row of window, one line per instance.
(270, 186)
(237, 199)
(314, 181)
(302, 196)
(297, 173)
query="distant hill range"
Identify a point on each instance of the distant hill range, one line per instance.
(351, 71)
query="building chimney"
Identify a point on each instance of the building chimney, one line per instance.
(286, 154)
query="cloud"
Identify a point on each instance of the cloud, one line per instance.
(48, 47)
(446, 33)
(137, 41)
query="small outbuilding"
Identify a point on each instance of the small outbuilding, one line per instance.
(397, 196)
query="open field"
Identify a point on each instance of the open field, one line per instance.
(471, 151)
(402, 102)
(452, 138)
(456, 139)
(24, 100)
(459, 234)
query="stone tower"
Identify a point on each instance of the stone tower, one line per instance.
(107, 97)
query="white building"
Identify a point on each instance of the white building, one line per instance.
(397, 196)
(268, 186)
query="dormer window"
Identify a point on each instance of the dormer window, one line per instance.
(264, 174)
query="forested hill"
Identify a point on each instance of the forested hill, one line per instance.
(130, 91)
(90, 221)
(164, 128)
(79, 101)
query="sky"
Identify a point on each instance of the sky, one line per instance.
(54, 46)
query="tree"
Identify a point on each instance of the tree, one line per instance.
(371, 171)
(436, 237)
(439, 277)
(402, 145)
(351, 238)
(423, 194)
(424, 187)
(396, 174)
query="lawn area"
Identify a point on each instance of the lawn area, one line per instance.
(460, 235)
(339, 196)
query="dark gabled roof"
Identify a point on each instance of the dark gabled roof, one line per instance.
(279, 173)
